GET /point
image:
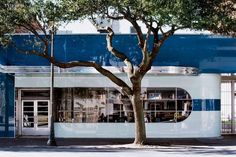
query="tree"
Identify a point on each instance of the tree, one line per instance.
(221, 15)
(162, 19)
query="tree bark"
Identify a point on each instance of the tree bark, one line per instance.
(140, 131)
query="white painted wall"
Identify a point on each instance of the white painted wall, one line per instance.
(204, 86)
(198, 124)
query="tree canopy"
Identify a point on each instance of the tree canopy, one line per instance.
(217, 16)
(220, 16)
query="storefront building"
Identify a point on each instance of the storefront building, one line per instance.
(180, 94)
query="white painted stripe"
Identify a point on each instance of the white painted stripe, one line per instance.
(199, 124)
(204, 86)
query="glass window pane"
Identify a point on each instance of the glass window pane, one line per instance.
(42, 104)
(28, 120)
(32, 93)
(92, 105)
(42, 118)
(43, 125)
(42, 109)
(182, 94)
(28, 109)
(28, 104)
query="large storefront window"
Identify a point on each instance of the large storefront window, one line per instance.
(95, 105)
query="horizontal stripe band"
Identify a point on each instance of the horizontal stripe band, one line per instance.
(206, 105)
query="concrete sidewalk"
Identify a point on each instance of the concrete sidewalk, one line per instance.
(41, 141)
(36, 147)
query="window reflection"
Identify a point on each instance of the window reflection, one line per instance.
(103, 105)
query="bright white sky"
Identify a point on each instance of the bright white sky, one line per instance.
(86, 27)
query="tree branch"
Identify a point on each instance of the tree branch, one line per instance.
(145, 61)
(112, 16)
(158, 43)
(42, 29)
(118, 54)
(146, 40)
(32, 30)
(128, 17)
(27, 52)
(162, 32)
(145, 65)
(115, 17)
(125, 88)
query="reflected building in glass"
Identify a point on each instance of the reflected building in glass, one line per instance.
(108, 105)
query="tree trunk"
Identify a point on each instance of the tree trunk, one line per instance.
(140, 131)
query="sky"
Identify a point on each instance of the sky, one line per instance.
(86, 27)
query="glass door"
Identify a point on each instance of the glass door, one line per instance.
(28, 114)
(35, 119)
(42, 114)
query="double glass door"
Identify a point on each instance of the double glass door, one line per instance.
(35, 117)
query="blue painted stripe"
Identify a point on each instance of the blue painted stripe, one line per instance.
(215, 54)
(206, 105)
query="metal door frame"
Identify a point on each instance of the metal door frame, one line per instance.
(35, 130)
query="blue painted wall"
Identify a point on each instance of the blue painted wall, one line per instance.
(6, 105)
(211, 54)
(206, 105)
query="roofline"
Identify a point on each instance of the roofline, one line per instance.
(162, 70)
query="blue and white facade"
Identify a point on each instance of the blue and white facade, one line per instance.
(190, 102)
(204, 120)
